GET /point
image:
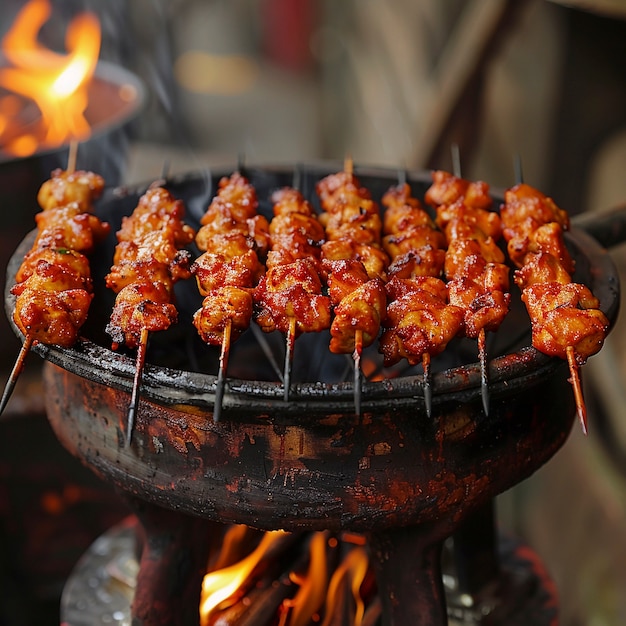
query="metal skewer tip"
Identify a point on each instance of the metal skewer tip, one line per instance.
(484, 370)
(296, 182)
(241, 162)
(517, 168)
(289, 347)
(220, 385)
(356, 355)
(15, 372)
(428, 391)
(134, 398)
(578, 392)
(456, 160)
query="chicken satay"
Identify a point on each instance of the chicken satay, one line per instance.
(155, 255)
(149, 258)
(234, 208)
(478, 280)
(227, 306)
(350, 214)
(61, 257)
(352, 222)
(56, 261)
(145, 268)
(482, 291)
(359, 307)
(359, 304)
(234, 237)
(69, 187)
(420, 322)
(566, 321)
(69, 227)
(357, 318)
(532, 223)
(337, 185)
(415, 245)
(52, 311)
(140, 305)
(460, 219)
(523, 202)
(462, 253)
(289, 297)
(417, 248)
(52, 303)
(374, 259)
(292, 292)
(214, 269)
(230, 236)
(447, 188)
(534, 239)
(295, 231)
(565, 317)
(157, 211)
(564, 314)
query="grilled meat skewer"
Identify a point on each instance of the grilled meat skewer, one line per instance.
(149, 258)
(53, 285)
(234, 237)
(565, 317)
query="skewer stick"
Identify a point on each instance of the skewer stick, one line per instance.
(72, 156)
(221, 374)
(428, 392)
(290, 340)
(259, 335)
(517, 168)
(289, 347)
(15, 372)
(356, 355)
(484, 369)
(456, 160)
(348, 165)
(578, 392)
(134, 399)
(482, 341)
(348, 168)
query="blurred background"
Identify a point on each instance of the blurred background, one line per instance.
(396, 84)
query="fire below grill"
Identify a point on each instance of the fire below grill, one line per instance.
(101, 586)
(405, 480)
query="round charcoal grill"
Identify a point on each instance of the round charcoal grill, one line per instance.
(406, 479)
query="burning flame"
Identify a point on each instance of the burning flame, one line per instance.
(56, 83)
(220, 585)
(313, 585)
(351, 571)
(321, 594)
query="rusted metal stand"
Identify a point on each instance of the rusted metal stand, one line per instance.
(173, 562)
(407, 562)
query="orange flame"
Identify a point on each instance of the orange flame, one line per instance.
(56, 83)
(220, 585)
(313, 585)
(353, 570)
(319, 594)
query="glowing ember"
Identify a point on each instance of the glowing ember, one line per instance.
(47, 91)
